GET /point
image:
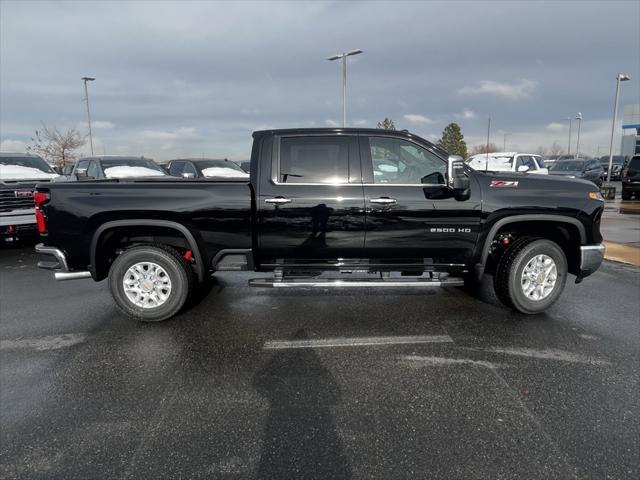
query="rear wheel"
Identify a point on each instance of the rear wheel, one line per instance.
(626, 195)
(531, 275)
(150, 283)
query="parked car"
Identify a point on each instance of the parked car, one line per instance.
(314, 205)
(579, 168)
(112, 166)
(616, 167)
(19, 174)
(508, 162)
(205, 168)
(631, 178)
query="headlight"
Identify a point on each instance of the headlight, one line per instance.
(596, 196)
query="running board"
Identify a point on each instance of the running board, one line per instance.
(339, 283)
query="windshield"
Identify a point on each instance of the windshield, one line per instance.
(492, 164)
(130, 167)
(566, 166)
(27, 162)
(220, 168)
(617, 160)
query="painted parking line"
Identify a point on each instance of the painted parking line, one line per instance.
(52, 342)
(420, 360)
(550, 354)
(355, 342)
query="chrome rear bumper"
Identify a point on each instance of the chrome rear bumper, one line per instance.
(54, 259)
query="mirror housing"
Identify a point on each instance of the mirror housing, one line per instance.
(81, 173)
(457, 180)
(188, 175)
(523, 168)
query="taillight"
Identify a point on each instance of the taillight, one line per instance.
(40, 198)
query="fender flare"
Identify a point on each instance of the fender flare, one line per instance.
(191, 240)
(524, 218)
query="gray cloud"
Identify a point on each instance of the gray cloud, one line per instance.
(221, 69)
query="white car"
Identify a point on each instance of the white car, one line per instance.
(508, 162)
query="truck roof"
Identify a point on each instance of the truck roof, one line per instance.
(353, 131)
(23, 155)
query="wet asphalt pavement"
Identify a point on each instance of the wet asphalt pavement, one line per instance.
(213, 393)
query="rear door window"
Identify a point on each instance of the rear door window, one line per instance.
(323, 160)
(176, 168)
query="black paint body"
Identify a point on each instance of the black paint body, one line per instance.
(324, 226)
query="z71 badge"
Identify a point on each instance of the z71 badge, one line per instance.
(504, 183)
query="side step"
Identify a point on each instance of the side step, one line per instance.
(339, 283)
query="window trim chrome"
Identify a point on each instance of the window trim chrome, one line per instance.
(275, 161)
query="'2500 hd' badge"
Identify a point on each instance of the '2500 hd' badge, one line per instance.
(504, 183)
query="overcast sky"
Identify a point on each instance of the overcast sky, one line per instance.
(196, 78)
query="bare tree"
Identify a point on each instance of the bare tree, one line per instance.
(55, 146)
(542, 151)
(483, 149)
(556, 149)
(387, 124)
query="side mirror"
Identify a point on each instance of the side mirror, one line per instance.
(81, 173)
(457, 180)
(188, 175)
(523, 168)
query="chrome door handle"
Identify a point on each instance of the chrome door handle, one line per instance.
(278, 200)
(383, 200)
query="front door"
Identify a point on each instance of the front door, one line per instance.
(310, 202)
(405, 220)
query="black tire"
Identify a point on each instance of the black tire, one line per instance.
(507, 278)
(176, 267)
(626, 195)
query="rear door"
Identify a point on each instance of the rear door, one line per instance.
(310, 200)
(402, 222)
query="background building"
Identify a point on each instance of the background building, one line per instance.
(630, 130)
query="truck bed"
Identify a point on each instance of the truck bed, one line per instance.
(216, 212)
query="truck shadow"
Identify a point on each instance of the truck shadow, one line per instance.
(300, 437)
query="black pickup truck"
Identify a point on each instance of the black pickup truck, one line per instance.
(325, 208)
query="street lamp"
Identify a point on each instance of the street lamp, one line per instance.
(504, 141)
(621, 77)
(579, 118)
(569, 145)
(86, 98)
(344, 56)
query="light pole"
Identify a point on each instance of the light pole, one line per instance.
(621, 77)
(569, 145)
(86, 98)
(504, 141)
(344, 56)
(579, 119)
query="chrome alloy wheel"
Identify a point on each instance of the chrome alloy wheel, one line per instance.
(147, 285)
(539, 277)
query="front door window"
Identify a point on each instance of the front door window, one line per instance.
(399, 162)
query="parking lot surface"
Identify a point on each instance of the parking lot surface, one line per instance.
(258, 383)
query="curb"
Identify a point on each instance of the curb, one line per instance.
(620, 252)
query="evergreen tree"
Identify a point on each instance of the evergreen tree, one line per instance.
(453, 141)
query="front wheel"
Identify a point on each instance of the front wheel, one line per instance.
(150, 283)
(531, 275)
